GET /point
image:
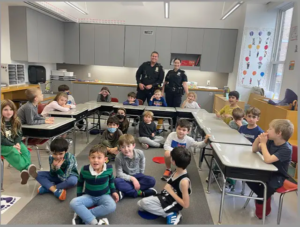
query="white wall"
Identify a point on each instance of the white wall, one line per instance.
(5, 45)
(290, 76)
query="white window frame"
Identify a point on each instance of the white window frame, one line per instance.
(276, 49)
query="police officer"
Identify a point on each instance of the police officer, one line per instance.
(149, 76)
(175, 85)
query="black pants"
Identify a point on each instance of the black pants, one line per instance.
(144, 94)
(173, 99)
(258, 189)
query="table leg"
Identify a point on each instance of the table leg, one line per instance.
(26, 141)
(171, 124)
(2, 173)
(222, 200)
(201, 157)
(87, 130)
(74, 138)
(209, 175)
(265, 202)
(243, 188)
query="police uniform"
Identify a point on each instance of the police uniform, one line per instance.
(173, 88)
(148, 75)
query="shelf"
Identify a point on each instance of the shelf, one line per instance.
(188, 61)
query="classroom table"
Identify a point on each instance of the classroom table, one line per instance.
(163, 112)
(79, 113)
(130, 110)
(93, 108)
(48, 131)
(238, 162)
(187, 112)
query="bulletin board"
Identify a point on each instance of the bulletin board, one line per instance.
(255, 60)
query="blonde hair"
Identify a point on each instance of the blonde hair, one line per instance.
(148, 113)
(283, 126)
(31, 93)
(59, 94)
(126, 139)
(14, 120)
(157, 90)
(193, 93)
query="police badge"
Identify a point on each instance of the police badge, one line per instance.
(156, 69)
(178, 74)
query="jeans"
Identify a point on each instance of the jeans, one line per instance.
(47, 181)
(158, 140)
(127, 187)
(104, 206)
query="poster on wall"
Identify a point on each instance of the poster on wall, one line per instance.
(255, 66)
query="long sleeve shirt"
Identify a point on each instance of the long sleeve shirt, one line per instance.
(71, 100)
(158, 102)
(28, 115)
(146, 130)
(55, 106)
(173, 141)
(146, 74)
(126, 167)
(69, 167)
(136, 103)
(106, 99)
(96, 184)
(7, 139)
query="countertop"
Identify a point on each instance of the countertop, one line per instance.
(18, 87)
(134, 85)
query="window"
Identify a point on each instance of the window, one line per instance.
(280, 49)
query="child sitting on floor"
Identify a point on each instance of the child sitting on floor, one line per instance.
(95, 187)
(238, 119)
(123, 121)
(12, 148)
(59, 103)
(130, 168)
(176, 194)
(276, 150)
(104, 95)
(226, 112)
(131, 99)
(63, 171)
(190, 102)
(147, 131)
(110, 137)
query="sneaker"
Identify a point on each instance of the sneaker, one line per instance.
(32, 171)
(174, 218)
(149, 192)
(167, 174)
(158, 131)
(42, 190)
(121, 195)
(24, 176)
(145, 146)
(103, 221)
(61, 194)
(134, 124)
(77, 220)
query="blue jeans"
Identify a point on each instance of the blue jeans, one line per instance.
(127, 187)
(47, 181)
(104, 206)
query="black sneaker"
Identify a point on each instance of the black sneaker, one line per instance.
(121, 195)
(134, 124)
(77, 220)
(149, 192)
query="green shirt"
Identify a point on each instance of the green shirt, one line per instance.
(8, 139)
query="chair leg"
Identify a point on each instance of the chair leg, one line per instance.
(280, 208)
(38, 155)
(2, 175)
(247, 201)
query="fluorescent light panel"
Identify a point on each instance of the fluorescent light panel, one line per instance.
(76, 7)
(232, 10)
(167, 9)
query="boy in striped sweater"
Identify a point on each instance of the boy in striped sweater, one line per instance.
(95, 189)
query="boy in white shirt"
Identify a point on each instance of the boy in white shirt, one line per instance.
(190, 101)
(179, 139)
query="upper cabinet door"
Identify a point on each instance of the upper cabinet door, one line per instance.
(58, 41)
(132, 44)
(179, 40)
(147, 43)
(227, 51)
(210, 51)
(116, 45)
(32, 35)
(195, 41)
(87, 44)
(71, 43)
(45, 41)
(102, 44)
(163, 46)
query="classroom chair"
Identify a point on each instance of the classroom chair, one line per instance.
(287, 187)
(140, 102)
(295, 160)
(114, 100)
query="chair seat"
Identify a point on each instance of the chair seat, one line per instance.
(287, 186)
(36, 141)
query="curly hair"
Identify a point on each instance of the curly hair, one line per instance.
(14, 120)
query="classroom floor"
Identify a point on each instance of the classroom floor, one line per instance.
(232, 212)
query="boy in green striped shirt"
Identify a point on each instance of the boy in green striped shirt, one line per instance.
(95, 189)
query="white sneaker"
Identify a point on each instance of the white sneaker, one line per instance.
(145, 146)
(103, 221)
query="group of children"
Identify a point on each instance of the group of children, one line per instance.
(98, 190)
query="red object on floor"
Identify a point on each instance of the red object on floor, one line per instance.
(159, 160)
(259, 209)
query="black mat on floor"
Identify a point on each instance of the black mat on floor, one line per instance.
(46, 209)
